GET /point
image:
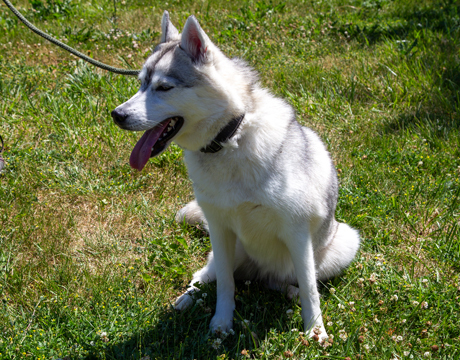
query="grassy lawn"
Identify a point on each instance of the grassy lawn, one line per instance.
(90, 256)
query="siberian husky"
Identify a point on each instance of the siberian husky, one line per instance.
(265, 186)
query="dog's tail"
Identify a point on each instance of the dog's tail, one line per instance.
(332, 259)
(192, 214)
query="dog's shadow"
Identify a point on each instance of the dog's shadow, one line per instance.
(186, 335)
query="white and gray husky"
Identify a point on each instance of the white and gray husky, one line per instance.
(265, 186)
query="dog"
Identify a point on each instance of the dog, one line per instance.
(264, 185)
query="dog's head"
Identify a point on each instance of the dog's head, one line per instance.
(181, 95)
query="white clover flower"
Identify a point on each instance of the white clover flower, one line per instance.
(204, 295)
(332, 290)
(340, 306)
(248, 282)
(376, 320)
(330, 323)
(199, 302)
(216, 343)
(415, 303)
(403, 321)
(406, 353)
(366, 347)
(294, 330)
(231, 331)
(289, 312)
(104, 337)
(424, 305)
(246, 322)
(394, 297)
(399, 338)
(343, 335)
(427, 354)
(424, 281)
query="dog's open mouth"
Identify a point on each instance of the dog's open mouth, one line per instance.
(154, 141)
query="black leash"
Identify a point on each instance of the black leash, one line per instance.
(68, 48)
(216, 145)
(2, 162)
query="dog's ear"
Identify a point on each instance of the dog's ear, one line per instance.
(195, 42)
(168, 31)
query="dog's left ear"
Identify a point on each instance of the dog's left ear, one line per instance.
(195, 42)
(168, 30)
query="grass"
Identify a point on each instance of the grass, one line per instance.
(90, 257)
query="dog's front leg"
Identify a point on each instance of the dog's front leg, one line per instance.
(301, 249)
(223, 247)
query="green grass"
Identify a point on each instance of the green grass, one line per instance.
(90, 256)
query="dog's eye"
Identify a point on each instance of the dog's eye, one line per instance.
(163, 88)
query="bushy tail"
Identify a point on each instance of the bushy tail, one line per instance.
(338, 254)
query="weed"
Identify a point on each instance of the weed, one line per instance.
(90, 256)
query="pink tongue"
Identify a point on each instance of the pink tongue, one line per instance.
(143, 149)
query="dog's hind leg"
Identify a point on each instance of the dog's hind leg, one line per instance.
(335, 257)
(192, 214)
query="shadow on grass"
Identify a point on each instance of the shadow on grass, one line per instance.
(432, 125)
(186, 335)
(438, 115)
(438, 109)
(443, 17)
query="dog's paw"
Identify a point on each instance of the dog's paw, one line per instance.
(192, 215)
(221, 324)
(293, 293)
(183, 302)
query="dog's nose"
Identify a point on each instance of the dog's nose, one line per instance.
(119, 116)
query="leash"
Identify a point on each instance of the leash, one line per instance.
(2, 162)
(68, 48)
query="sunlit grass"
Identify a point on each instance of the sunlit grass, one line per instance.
(90, 256)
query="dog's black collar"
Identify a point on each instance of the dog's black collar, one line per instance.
(224, 135)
